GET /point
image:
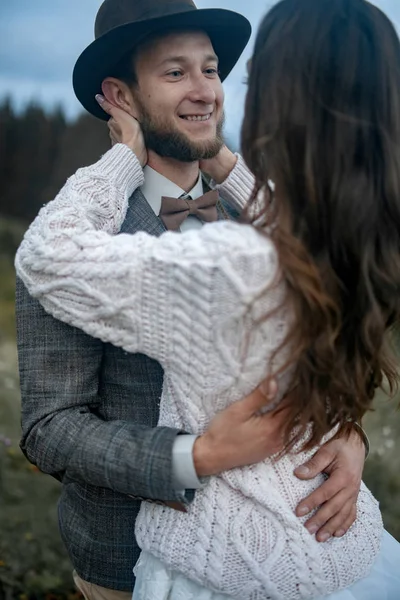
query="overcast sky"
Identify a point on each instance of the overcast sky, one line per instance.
(40, 41)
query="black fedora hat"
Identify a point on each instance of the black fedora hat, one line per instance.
(122, 24)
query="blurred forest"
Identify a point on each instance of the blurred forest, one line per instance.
(38, 152)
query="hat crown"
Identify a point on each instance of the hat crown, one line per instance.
(114, 13)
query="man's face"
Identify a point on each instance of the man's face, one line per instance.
(180, 97)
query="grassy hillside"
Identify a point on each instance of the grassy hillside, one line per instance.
(33, 562)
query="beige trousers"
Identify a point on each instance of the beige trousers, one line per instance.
(91, 591)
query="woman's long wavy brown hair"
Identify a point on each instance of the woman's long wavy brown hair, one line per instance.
(323, 123)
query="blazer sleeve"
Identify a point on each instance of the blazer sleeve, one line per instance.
(61, 433)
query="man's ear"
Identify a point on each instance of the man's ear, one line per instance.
(118, 93)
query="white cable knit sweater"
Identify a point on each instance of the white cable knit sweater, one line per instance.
(190, 301)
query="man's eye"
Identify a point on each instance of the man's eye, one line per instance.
(212, 71)
(175, 73)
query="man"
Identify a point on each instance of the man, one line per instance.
(89, 410)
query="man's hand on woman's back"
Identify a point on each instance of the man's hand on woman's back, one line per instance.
(241, 435)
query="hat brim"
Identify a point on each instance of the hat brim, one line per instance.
(229, 33)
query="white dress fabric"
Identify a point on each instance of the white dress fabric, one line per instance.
(194, 302)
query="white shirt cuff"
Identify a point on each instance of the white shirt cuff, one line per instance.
(183, 471)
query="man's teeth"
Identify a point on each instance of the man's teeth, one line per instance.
(198, 118)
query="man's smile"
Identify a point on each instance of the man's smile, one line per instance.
(206, 117)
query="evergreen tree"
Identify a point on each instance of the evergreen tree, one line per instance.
(39, 151)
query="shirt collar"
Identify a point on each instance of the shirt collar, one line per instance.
(156, 185)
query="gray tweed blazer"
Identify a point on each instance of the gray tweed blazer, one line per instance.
(89, 416)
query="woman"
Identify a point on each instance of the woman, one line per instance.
(308, 293)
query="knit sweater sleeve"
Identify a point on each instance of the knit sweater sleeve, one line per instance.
(238, 187)
(136, 291)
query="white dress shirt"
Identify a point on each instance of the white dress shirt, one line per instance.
(154, 188)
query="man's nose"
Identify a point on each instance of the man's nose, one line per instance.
(202, 90)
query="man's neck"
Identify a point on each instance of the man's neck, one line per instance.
(185, 175)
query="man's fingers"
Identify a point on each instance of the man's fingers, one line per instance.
(331, 516)
(340, 530)
(325, 527)
(317, 464)
(260, 397)
(324, 493)
(253, 403)
(269, 389)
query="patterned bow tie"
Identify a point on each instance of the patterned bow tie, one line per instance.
(175, 210)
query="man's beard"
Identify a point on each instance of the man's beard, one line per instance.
(163, 138)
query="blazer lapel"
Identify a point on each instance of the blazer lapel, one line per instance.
(141, 217)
